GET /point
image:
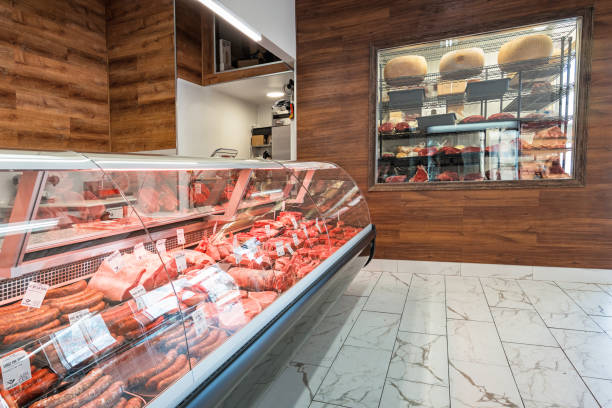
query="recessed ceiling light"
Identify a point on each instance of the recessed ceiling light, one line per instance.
(275, 94)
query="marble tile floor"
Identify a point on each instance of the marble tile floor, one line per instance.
(432, 338)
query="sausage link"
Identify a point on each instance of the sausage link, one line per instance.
(88, 301)
(30, 334)
(138, 379)
(71, 392)
(202, 352)
(134, 403)
(36, 376)
(37, 389)
(66, 290)
(174, 367)
(37, 319)
(211, 339)
(164, 383)
(56, 302)
(23, 312)
(121, 404)
(92, 392)
(108, 398)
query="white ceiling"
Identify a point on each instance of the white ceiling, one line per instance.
(253, 90)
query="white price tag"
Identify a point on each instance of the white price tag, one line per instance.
(198, 188)
(215, 228)
(318, 227)
(139, 251)
(199, 321)
(138, 295)
(267, 228)
(259, 260)
(15, 369)
(160, 245)
(289, 249)
(79, 315)
(114, 261)
(180, 236)
(283, 206)
(279, 249)
(305, 231)
(115, 213)
(181, 262)
(296, 241)
(35, 294)
(3, 403)
(294, 222)
(97, 333)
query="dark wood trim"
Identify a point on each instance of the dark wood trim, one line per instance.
(258, 70)
(580, 119)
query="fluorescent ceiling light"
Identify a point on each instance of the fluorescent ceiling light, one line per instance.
(231, 18)
(276, 94)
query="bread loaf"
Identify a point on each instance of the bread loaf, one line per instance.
(461, 64)
(514, 54)
(405, 70)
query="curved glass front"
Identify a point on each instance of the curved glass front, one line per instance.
(144, 277)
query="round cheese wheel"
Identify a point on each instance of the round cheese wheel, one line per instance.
(461, 64)
(514, 54)
(405, 70)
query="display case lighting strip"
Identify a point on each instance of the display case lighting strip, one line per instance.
(473, 127)
(231, 18)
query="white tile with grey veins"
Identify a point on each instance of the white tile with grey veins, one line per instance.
(475, 342)
(522, 326)
(389, 293)
(593, 303)
(356, 378)
(556, 307)
(546, 378)
(424, 317)
(505, 293)
(429, 267)
(427, 288)
(408, 394)
(604, 322)
(363, 283)
(589, 287)
(497, 270)
(591, 353)
(317, 404)
(465, 299)
(601, 389)
(294, 387)
(327, 338)
(474, 385)
(374, 330)
(420, 357)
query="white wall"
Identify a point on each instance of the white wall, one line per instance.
(275, 19)
(264, 115)
(208, 119)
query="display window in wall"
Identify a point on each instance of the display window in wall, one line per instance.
(499, 109)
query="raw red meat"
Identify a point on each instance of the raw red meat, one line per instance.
(448, 176)
(420, 176)
(501, 116)
(201, 197)
(396, 179)
(550, 133)
(148, 200)
(264, 299)
(449, 150)
(116, 285)
(473, 177)
(402, 126)
(167, 198)
(472, 119)
(386, 127)
(428, 151)
(470, 149)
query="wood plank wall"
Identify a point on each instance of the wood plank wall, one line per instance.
(189, 40)
(53, 76)
(556, 227)
(141, 74)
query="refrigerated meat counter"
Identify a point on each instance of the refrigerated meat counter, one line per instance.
(132, 280)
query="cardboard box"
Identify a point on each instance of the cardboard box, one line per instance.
(451, 88)
(258, 140)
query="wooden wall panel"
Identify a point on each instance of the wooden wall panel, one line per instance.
(140, 45)
(54, 86)
(189, 40)
(556, 227)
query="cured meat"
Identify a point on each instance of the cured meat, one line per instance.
(448, 176)
(420, 176)
(428, 151)
(473, 177)
(396, 179)
(501, 116)
(449, 150)
(551, 133)
(167, 198)
(116, 285)
(386, 128)
(238, 314)
(402, 126)
(199, 193)
(473, 119)
(148, 200)
(470, 149)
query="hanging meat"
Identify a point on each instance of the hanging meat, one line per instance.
(420, 176)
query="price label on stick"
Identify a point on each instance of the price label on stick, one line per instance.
(181, 262)
(114, 261)
(139, 251)
(15, 369)
(198, 188)
(180, 236)
(267, 228)
(289, 249)
(76, 316)
(3, 403)
(215, 228)
(294, 222)
(199, 321)
(318, 227)
(296, 241)
(138, 294)
(279, 249)
(35, 294)
(305, 231)
(160, 245)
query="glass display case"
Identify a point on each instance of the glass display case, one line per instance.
(131, 280)
(499, 109)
